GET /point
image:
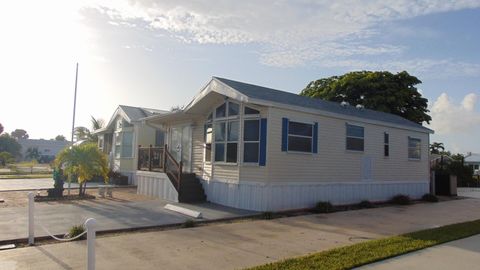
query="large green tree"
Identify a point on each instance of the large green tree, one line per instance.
(376, 90)
(20, 134)
(10, 145)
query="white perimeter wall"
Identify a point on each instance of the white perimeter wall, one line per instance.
(277, 197)
(156, 184)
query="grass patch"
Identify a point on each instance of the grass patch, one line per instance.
(376, 250)
(25, 176)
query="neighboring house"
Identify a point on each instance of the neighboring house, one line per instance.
(262, 149)
(120, 138)
(47, 149)
(473, 160)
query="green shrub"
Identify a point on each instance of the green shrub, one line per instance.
(401, 199)
(366, 204)
(323, 207)
(429, 198)
(76, 230)
(268, 215)
(189, 224)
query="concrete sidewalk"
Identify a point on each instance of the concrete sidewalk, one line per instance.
(59, 218)
(460, 254)
(243, 244)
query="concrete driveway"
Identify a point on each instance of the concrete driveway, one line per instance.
(460, 254)
(243, 244)
(59, 217)
(33, 184)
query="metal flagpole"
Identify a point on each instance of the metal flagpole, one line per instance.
(73, 121)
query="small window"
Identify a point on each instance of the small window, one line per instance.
(127, 145)
(119, 123)
(159, 137)
(414, 148)
(233, 109)
(476, 167)
(208, 142)
(386, 148)
(249, 110)
(355, 138)
(221, 111)
(300, 137)
(251, 139)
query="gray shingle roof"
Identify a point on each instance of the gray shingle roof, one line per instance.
(268, 94)
(136, 113)
(473, 158)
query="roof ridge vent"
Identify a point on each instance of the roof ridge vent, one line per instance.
(344, 104)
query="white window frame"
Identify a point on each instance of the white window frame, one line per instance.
(226, 119)
(300, 136)
(417, 147)
(354, 137)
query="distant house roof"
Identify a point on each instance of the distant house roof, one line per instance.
(473, 158)
(277, 96)
(136, 113)
(130, 114)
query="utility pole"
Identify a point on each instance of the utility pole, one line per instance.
(73, 120)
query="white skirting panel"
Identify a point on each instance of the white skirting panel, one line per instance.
(156, 184)
(276, 197)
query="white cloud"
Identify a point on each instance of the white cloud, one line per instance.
(290, 33)
(451, 118)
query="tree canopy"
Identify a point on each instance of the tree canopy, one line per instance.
(437, 148)
(376, 90)
(1, 128)
(10, 145)
(60, 138)
(19, 134)
(84, 134)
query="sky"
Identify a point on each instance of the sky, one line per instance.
(159, 54)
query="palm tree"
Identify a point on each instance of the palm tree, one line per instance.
(435, 148)
(85, 134)
(82, 162)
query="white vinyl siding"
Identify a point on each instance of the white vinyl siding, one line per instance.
(333, 163)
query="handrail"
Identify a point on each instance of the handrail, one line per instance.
(176, 171)
(158, 158)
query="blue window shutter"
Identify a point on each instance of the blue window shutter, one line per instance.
(263, 142)
(315, 138)
(284, 134)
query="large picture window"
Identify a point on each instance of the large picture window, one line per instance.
(251, 140)
(300, 137)
(414, 148)
(355, 138)
(124, 145)
(226, 132)
(127, 145)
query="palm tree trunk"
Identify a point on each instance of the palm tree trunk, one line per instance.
(80, 189)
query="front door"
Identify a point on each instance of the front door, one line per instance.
(181, 145)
